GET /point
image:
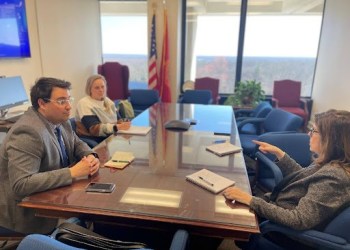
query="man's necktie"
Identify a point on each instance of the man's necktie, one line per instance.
(64, 157)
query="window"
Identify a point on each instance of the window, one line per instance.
(211, 42)
(279, 40)
(124, 37)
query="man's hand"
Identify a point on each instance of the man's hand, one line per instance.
(88, 165)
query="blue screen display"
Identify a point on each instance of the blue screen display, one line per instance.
(14, 39)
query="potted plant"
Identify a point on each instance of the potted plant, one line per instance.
(247, 94)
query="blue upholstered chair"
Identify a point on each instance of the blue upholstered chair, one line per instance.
(196, 97)
(294, 144)
(336, 235)
(44, 242)
(89, 141)
(141, 99)
(261, 111)
(276, 121)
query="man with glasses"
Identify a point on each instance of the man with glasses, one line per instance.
(41, 152)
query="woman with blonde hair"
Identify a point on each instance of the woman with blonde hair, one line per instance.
(96, 114)
(308, 198)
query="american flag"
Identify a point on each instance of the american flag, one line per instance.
(152, 64)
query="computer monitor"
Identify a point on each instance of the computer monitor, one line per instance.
(12, 94)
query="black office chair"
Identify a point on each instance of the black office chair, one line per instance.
(196, 97)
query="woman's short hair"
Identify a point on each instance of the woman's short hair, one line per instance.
(91, 80)
(42, 89)
(334, 129)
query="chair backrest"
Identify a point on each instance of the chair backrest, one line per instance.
(208, 83)
(340, 225)
(294, 144)
(287, 92)
(143, 97)
(197, 97)
(38, 241)
(117, 77)
(279, 120)
(262, 110)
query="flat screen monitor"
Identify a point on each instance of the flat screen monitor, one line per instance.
(12, 94)
(14, 38)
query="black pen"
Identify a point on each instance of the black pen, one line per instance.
(206, 181)
(121, 161)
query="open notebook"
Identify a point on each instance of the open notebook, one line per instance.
(120, 160)
(222, 149)
(210, 181)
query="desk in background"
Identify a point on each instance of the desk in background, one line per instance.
(153, 191)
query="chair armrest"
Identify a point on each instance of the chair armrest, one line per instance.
(243, 112)
(255, 121)
(180, 240)
(242, 118)
(317, 238)
(277, 173)
(274, 102)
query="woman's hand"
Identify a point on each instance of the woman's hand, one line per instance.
(123, 125)
(268, 148)
(234, 193)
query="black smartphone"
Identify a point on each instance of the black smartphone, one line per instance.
(100, 187)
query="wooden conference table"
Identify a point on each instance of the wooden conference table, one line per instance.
(152, 191)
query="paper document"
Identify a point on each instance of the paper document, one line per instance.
(224, 148)
(209, 180)
(135, 130)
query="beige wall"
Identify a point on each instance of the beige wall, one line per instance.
(332, 79)
(66, 43)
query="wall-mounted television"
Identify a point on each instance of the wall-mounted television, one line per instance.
(14, 38)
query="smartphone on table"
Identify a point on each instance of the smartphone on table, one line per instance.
(100, 187)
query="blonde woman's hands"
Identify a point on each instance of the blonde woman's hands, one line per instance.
(234, 193)
(123, 125)
(268, 148)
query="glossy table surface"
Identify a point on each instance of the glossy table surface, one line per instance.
(153, 188)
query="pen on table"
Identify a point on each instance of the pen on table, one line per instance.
(121, 161)
(208, 182)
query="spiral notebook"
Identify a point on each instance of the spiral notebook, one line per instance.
(120, 160)
(210, 181)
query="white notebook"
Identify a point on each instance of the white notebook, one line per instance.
(135, 130)
(222, 149)
(210, 181)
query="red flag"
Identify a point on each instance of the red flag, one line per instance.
(164, 84)
(152, 64)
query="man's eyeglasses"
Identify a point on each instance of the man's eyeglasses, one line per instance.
(312, 131)
(61, 102)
